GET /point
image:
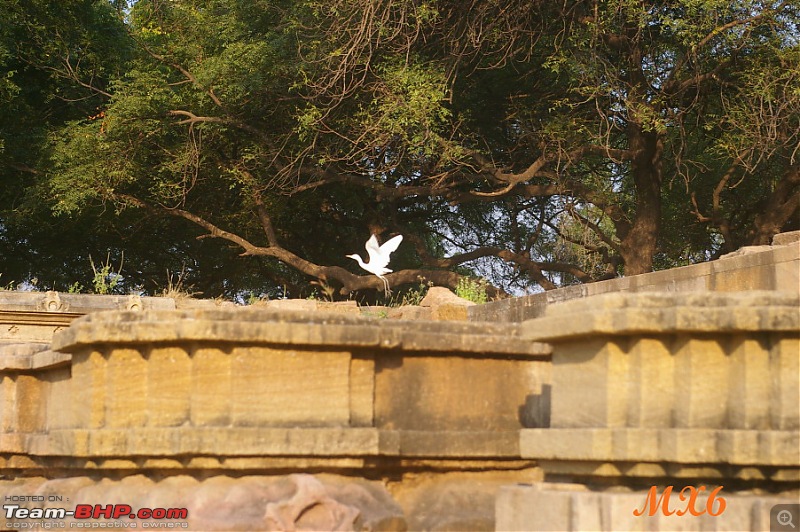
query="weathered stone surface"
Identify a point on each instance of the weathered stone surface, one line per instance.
(30, 356)
(746, 250)
(784, 239)
(409, 312)
(291, 304)
(440, 393)
(445, 305)
(266, 326)
(668, 360)
(687, 446)
(660, 313)
(775, 268)
(188, 303)
(339, 307)
(439, 295)
(221, 442)
(57, 302)
(454, 501)
(293, 502)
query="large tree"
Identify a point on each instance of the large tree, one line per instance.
(536, 143)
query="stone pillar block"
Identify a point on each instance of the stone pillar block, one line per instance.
(60, 411)
(211, 387)
(750, 386)
(273, 387)
(169, 374)
(8, 404)
(784, 362)
(126, 388)
(362, 391)
(700, 382)
(651, 395)
(89, 370)
(594, 369)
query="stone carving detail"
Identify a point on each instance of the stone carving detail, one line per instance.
(134, 302)
(52, 303)
(310, 508)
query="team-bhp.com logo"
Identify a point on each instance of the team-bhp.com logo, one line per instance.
(714, 505)
(162, 516)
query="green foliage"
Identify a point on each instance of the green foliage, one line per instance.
(338, 117)
(9, 286)
(472, 289)
(105, 280)
(410, 296)
(75, 288)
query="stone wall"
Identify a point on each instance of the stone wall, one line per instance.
(287, 419)
(775, 267)
(415, 417)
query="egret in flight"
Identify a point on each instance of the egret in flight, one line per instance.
(379, 257)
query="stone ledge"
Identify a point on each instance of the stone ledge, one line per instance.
(221, 442)
(667, 313)
(265, 326)
(225, 443)
(684, 446)
(78, 304)
(30, 356)
(776, 268)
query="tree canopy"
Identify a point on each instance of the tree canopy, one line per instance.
(253, 144)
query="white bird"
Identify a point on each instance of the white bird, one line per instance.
(378, 257)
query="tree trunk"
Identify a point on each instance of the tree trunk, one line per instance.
(638, 243)
(781, 205)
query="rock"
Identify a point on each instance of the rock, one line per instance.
(409, 312)
(310, 508)
(784, 239)
(439, 295)
(288, 503)
(292, 304)
(445, 305)
(339, 307)
(746, 250)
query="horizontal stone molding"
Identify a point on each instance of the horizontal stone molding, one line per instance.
(78, 304)
(665, 313)
(30, 356)
(268, 326)
(224, 443)
(656, 360)
(683, 446)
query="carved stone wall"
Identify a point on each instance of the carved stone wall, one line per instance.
(280, 419)
(664, 389)
(265, 393)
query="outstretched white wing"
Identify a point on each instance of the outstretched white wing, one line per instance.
(379, 255)
(391, 245)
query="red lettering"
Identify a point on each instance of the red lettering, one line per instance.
(103, 511)
(120, 510)
(83, 511)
